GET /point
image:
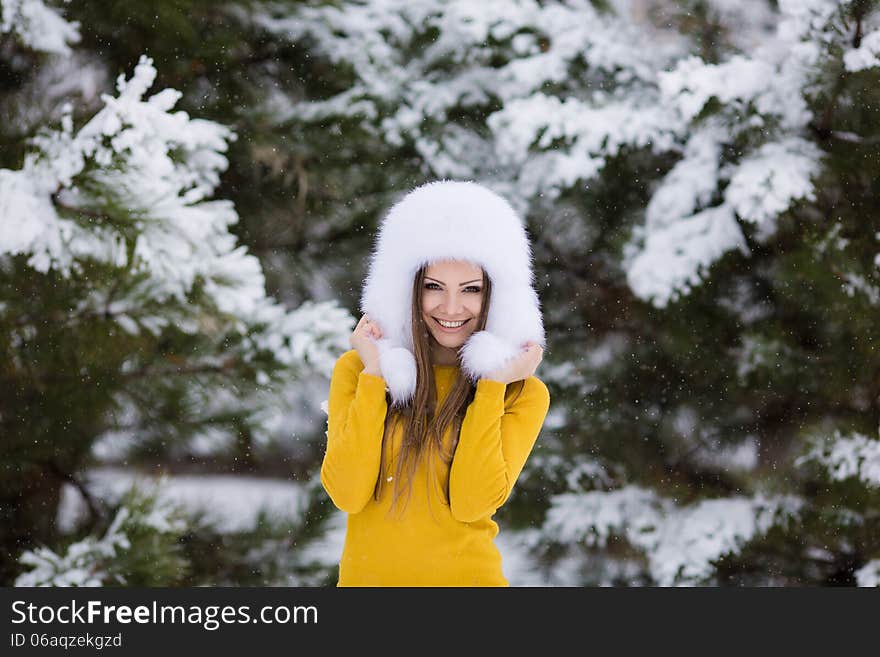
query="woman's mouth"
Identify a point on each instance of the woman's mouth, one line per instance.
(452, 327)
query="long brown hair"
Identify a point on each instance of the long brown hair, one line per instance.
(423, 424)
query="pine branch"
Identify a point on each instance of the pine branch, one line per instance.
(823, 128)
(302, 181)
(96, 512)
(147, 372)
(225, 368)
(860, 9)
(301, 242)
(68, 318)
(561, 261)
(92, 214)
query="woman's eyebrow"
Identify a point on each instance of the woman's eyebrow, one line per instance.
(476, 280)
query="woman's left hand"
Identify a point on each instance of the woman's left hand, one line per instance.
(520, 367)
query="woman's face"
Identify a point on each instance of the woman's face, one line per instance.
(452, 292)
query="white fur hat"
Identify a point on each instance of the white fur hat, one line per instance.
(447, 220)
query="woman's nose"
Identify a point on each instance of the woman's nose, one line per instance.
(453, 303)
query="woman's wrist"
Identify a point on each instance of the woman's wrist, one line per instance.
(373, 371)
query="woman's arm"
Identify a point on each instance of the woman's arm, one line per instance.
(355, 423)
(493, 447)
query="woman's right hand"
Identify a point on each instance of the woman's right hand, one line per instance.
(521, 366)
(362, 339)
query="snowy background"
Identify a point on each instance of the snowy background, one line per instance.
(189, 192)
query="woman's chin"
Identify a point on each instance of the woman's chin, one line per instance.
(451, 341)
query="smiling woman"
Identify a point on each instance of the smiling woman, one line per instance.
(450, 309)
(431, 415)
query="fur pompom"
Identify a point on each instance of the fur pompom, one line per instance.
(484, 353)
(398, 367)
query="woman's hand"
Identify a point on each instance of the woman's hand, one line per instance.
(520, 367)
(362, 339)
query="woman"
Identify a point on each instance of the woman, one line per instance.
(434, 411)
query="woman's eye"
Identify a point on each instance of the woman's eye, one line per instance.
(472, 288)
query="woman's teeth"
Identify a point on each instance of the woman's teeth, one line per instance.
(450, 325)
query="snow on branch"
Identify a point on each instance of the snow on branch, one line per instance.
(678, 248)
(675, 258)
(37, 26)
(80, 565)
(553, 92)
(559, 142)
(763, 95)
(680, 543)
(866, 56)
(95, 561)
(404, 84)
(768, 182)
(158, 166)
(843, 457)
(132, 189)
(869, 574)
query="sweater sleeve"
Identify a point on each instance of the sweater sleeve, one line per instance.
(493, 446)
(356, 410)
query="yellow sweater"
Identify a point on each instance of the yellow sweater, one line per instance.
(432, 543)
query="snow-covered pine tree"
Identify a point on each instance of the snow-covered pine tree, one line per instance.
(141, 546)
(127, 305)
(700, 181)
